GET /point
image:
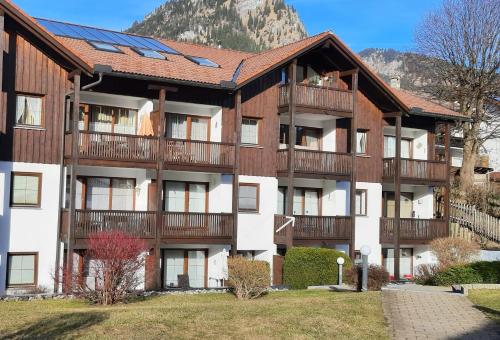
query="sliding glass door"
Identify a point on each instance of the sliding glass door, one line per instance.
(191, 262)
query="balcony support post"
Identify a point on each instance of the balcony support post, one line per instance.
(72, 189)
(397, 199)
(352, 189)
(159, 188)
(447, 183)
(292, 76)
(236, 172)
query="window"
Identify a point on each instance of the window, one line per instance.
(102, 118)
(306, 201)
(100, 193)
(29, 110)
(149, 53)
(390, 147)
(22, 269)
(249, 197)
(26, 189)
(193, 262)
(281, 200)
(186, 197)
(102, 46)
(361, 142)
(361, 200)
(250, 131)
(305, 137)
(188, 127)
(202, 61)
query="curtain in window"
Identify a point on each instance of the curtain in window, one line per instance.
(21, 269)
(361, 203)
(197, 198)
(174, 266)
(176, 196)
(199, 129)
(389, 146)
(177, 126)
(249, 131)
(281, 201)
(98, 193)
(405, 148)
(125, 121)
(122, 194)
(248, 197)
(25, 189)
(361, 142)
(196, 268)
(298, 202)
(29, 110)
(79, 194)
(311, 139)
(101, 119)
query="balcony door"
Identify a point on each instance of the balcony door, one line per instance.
(181, 126)
(186, 197)
(101, 193)
(390, 147)
(406, 204)
(101, 118)
(306, 202)
(308, 138)
(191, 262)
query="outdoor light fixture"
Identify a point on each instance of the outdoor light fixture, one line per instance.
(340, 262)
(365, 251)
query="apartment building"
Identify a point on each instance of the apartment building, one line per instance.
(206, 152)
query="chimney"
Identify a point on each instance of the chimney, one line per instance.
(396, 82)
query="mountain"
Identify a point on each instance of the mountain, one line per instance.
(247, 25)
(411, 68)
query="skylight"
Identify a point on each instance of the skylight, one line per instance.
(149, 53)
(104, 46)
(202, 61)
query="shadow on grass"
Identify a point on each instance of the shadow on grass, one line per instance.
(57, 326)
(493, 312)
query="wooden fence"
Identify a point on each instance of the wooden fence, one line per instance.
(477, 221)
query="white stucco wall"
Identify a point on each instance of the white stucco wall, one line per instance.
(256, 230)
(368, 227)
(30, 229)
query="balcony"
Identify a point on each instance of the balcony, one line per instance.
(111, 149)
(197, 227)
(108, 148)
(189, 154)
(413, 230)
(415, 171)
(318, 99)
(313, 229)
(314, 164)
(175, 227)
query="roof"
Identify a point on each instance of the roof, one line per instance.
(176, 67)
(47, 37)
(234, 66)
(420, 105)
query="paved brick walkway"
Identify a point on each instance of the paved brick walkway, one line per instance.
(416, 312)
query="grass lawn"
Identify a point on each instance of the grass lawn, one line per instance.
(487, 301)
(292, 314)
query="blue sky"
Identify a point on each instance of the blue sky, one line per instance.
(359, 23)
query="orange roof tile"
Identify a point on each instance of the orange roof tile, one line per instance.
(415, 102)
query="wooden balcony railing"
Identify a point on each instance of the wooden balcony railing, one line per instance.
(280, 236)
(112, 146)
(413, 230)
(197, 225)
(416, 169)
(190, 152)
(317, 162)
(136, 223)
(315, 228)
(318, 97)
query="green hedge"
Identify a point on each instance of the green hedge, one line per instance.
(476, 272)
(305, 267)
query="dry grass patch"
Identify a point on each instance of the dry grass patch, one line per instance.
(279, 315)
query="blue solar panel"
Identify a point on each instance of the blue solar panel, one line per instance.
(105, 36)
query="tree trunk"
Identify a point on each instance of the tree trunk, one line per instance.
(471, 147)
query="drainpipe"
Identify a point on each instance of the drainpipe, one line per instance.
(62, 178)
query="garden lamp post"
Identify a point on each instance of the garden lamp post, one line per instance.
(365, 251)
(340, 262)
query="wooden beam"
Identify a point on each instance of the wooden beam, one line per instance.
(72, 190)
(159, 187)
(392, 114)
(354, 132)
(161, 87)
(236, 172)
(447, 145)
(74, 73)
(292, 76)
(397, 199)
(348, 73)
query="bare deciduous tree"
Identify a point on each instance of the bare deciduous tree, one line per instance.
(462, 39)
